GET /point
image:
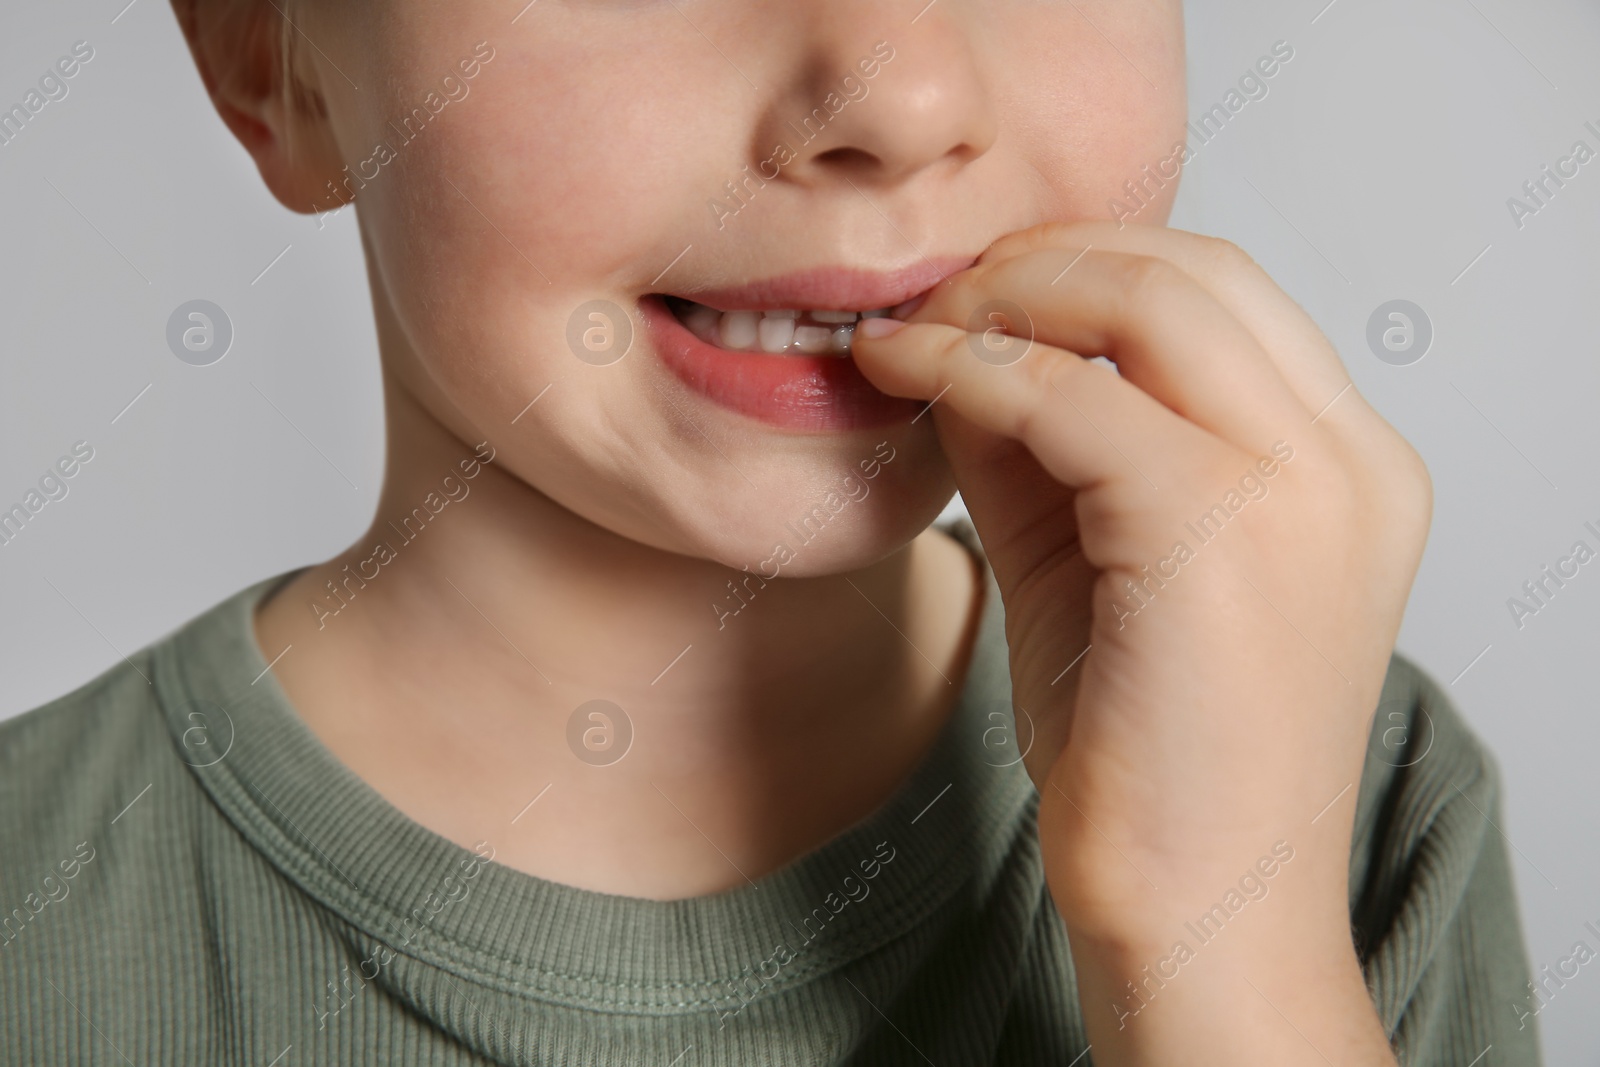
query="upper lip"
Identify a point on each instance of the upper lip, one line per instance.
(832, 288)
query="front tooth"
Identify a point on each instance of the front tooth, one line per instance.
(776, 333)
(702, 322)
(782, 313)
(812, 339)
(842, 336)
(834, 316)
(738, 329)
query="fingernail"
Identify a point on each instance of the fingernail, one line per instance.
(878, 327)
(905, 310)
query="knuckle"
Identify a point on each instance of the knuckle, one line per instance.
(1021, 272)
(1006, 247)
(1044, 367)
(1407, 492)
(1035, 238)
(1394, 482)
(1228, 256)
(953, 344)
(1423, 484)
(1145, 278)
(1338, 494)
(1116, 528)
(1041, 368)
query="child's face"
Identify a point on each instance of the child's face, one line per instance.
(583, 153)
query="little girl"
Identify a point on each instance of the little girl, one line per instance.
(655, 719)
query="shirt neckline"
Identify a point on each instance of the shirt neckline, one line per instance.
(417, 894)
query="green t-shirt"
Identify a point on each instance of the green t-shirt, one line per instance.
(187, 876)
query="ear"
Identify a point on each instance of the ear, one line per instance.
(271, 103)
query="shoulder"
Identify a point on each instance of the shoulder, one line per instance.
(94, 768)
(140, 722)
(73, 753)
(112, 854)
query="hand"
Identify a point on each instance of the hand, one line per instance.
(1204, 558)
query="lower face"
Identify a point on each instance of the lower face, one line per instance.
(591, 255)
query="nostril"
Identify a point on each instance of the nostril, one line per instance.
(847, 158)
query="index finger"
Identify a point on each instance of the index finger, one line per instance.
(1291, 339)
(1163, 329)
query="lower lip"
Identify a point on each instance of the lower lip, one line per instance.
(818, 393)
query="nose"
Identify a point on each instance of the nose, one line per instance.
(878, 101)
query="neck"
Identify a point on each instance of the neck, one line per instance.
(449, 658)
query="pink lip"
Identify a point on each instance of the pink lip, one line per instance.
(816, 393)
(832, 288)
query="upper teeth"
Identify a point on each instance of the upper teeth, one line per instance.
(784, 330)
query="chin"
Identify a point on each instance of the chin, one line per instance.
(825, 531)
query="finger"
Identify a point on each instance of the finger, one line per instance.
(1004, 484)
(1023, 513)
(1165, 332)
(1291, 339)
(1084, 424)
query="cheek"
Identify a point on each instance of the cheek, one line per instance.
(583, 170)
(545, 188)
(576, 158)
(1091, 118)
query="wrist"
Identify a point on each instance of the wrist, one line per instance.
(1280, 990)
(1226, 1006)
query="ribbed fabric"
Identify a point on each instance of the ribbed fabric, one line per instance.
(181, 884)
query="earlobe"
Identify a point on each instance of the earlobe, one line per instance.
(243, 51)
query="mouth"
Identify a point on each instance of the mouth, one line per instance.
(778, 331)
(778, 350)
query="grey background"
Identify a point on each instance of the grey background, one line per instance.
(1377, 168)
